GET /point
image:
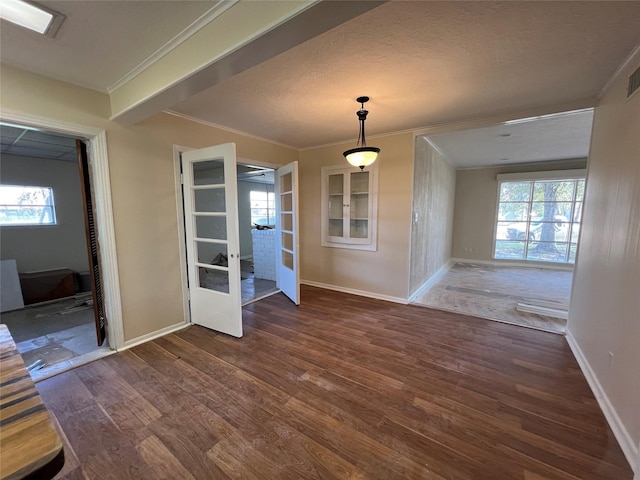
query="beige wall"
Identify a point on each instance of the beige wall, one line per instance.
(62, 245)
(434, 184)
(142, 188)
(385, 271)
(476, 202)
(605, 302)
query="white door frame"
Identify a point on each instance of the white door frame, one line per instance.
(103, 211)
(182, 247)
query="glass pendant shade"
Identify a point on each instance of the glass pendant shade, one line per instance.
(362, 156)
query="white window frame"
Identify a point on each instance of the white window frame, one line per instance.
(369, 243)
(559, 175)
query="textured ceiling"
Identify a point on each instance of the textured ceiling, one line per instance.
(424, 64)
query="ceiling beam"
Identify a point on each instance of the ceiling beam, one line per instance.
(245, 35)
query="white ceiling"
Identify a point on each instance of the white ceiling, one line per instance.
(424, 64)
(554, 137)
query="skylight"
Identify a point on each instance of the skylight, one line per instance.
(30, 16)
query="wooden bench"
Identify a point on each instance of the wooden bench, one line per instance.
(30, 447)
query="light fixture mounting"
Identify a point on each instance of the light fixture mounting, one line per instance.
(362, 156)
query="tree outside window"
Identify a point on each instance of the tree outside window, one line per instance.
(539, 220)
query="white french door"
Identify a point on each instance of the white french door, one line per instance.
(213, 247)
(287, 254)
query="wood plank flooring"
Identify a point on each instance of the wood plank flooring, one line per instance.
(340, 387)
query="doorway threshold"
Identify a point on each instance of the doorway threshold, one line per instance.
(65, 366)
(268, 294)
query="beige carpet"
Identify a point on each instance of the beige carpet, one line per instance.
(493, 293)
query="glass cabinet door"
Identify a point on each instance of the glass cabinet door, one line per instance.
(349, 198)
(359, 203)
(335, 198)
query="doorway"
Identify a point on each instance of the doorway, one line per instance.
(44, 253)
(257, 223)
(217, 198)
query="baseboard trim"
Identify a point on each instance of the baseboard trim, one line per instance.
(153, 335)
(494, 263)
(353, 291)
(630, 450)
(432, 280)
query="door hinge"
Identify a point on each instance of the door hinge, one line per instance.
(181, 179)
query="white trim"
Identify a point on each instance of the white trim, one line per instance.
(578, 173)
(182, 248)
(206, 18)
(631, 451)
(153, 335)
(432, 280)
(352, 291)
(101, 188)
(509, 263)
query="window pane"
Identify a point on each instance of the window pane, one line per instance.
(516, 231)
(547, 252)
(24, 205)
(515, 191)
(513, 211)
(580, 190)
(509, 249)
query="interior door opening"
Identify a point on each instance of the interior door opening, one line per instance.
(51, 318)
(257, 227)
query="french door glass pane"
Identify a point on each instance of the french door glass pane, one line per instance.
(208, 172)
(209, 200)
(212, 279)
(211, 227)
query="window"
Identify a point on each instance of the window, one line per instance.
(263, 207)
(538, 219)
(21, 205)
(349, 206)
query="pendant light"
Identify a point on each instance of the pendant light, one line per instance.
(362, 156)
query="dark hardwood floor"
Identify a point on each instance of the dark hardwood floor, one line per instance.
(339, 387)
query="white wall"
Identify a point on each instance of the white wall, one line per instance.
(604, 317)
(52, 246)
(434, 186)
